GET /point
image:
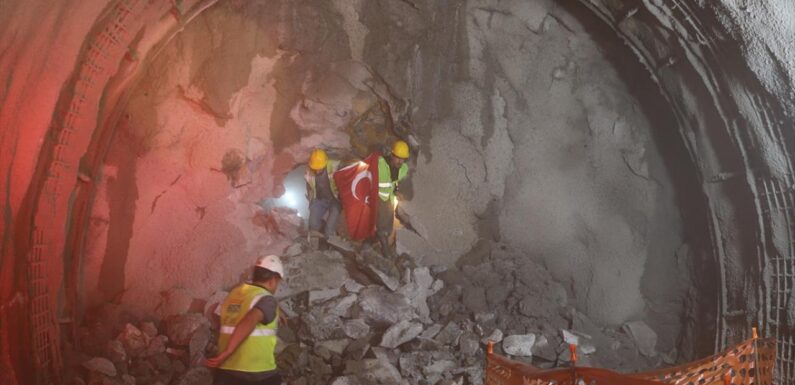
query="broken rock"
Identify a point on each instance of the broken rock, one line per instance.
(374, 371)
(317, 296)
(133, 340)
(520, 345)
(450, 334)
(321, 327)
(380, 269)
(352, 286)
(475, 299)
(101, 365)
(335, 346)
(432, 331)
(115, 351)
(196, 376)
(313, 271)
(400, 333)
(149, 329)
(340, 307)
(645, 338)
(543, 349)
(346, 380)
(380, 306)
(180, 328)
(436, 369)
(198, 343)
(356, 329)
(468, 344)
(156, 346)
(215, 300)
(495, 337)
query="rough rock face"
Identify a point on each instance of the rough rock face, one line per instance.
(528, 146)
(202, 90)
(380, 340)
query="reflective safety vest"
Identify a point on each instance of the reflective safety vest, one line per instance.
(257, 353)
(310, 177)
(386, 186)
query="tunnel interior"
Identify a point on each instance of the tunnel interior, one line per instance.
(618, 170)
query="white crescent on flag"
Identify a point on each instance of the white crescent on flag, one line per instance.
(361, 175)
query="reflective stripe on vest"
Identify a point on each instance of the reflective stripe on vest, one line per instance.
(256, 332)
(257, 352)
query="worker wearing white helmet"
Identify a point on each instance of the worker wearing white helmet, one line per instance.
(249, 320)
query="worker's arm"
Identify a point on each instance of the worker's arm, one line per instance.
(242, 331)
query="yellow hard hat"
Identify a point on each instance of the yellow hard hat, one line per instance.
(318, 159)
(400, 149)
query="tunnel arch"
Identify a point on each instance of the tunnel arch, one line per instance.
(742, 148)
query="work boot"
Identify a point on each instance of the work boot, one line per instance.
(386, 250)
(314, 243)
(339, 243)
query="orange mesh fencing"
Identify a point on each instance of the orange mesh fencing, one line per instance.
(748, 363)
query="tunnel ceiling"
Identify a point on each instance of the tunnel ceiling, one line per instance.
(723, 67)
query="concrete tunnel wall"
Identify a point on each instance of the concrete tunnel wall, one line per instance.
(722, 68)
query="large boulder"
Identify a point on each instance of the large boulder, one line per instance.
(196, 376)
(318, 270)
(400, 333)
(115, 351)
(374, 371)
(180, 328)
(134, 340)
(519, 345)
(101, 365)
(382, 307)
(645, 338)
(380, 269)
(318, 326)
(356, 329)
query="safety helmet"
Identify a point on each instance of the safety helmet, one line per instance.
(318, 159)
(400, 149)
(272, 263)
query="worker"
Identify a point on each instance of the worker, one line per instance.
(321, 191)
(390, 173)
(249, 318)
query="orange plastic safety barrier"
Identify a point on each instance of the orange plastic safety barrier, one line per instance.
(748, 363)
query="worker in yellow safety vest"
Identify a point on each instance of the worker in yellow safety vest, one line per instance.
(390, 173)
(249, 319)
(321, 191)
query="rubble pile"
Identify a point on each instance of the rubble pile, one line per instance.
(118, 350)
(362, 319)
(393, 322)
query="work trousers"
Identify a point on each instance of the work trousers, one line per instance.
(223, 377)
(385, 217)
(318, 209)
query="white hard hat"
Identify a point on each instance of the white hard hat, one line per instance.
(272, 263)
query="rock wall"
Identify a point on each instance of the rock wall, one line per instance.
(528, 135)
(723, 67)
(546, 147)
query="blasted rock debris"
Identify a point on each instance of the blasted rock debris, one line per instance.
(423, 330)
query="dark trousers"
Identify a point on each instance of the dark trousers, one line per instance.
(224, 377)
(317, 211)
(385, 218)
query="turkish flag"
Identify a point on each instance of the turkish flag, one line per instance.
(358, 191)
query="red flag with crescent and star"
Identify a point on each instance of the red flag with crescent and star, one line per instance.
(358, 191)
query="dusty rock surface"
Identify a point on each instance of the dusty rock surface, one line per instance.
(364, 332)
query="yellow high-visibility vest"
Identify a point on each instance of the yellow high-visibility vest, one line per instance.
(386, 186)
(257, 353)
(310, 178)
